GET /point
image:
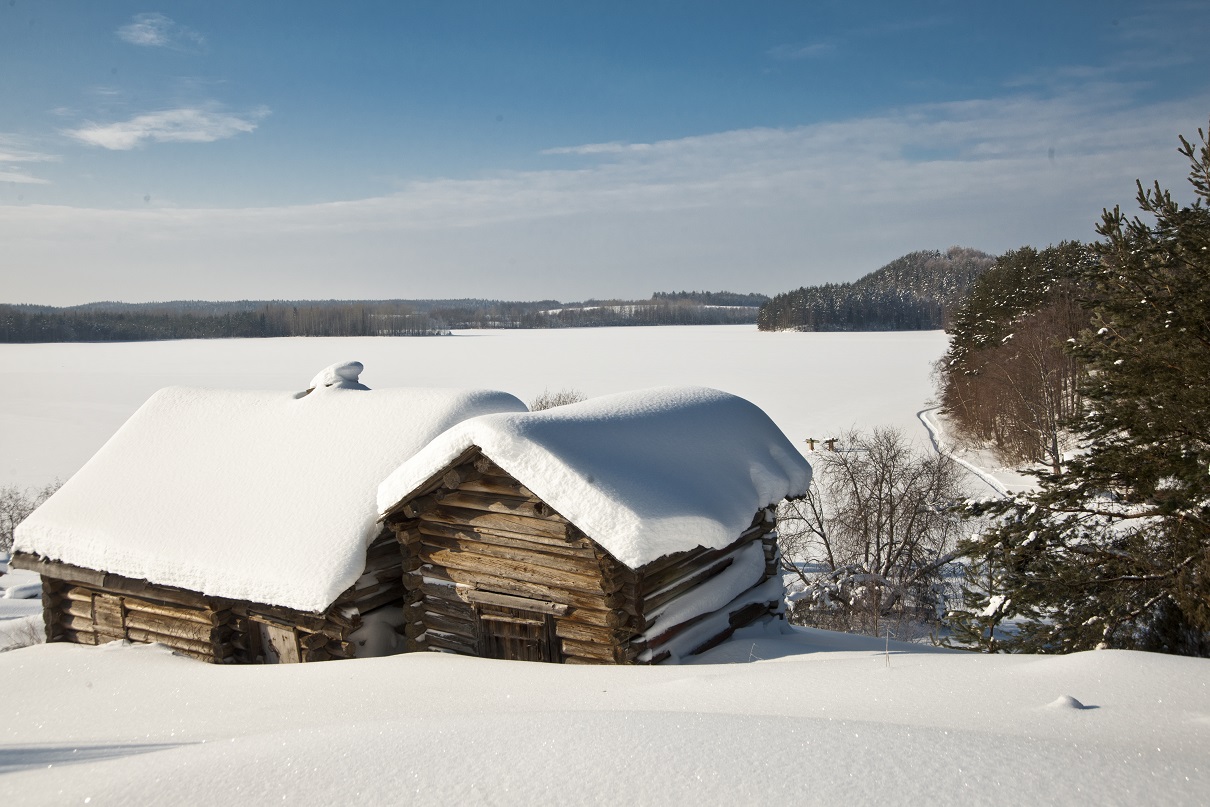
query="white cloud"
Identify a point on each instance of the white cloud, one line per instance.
(19, 177)
(759, 209)
(154, 30)
(13, 150)
(598, 148)
(186, 125)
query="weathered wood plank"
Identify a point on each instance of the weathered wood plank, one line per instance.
(506, 550)
(499, 567)
(595, 634)
(524, 525)
(594, 601)
(650, 603)
(170, 627)
(175, 642)
(662, 571)
(501, 503)
(466, 628)
(446, 641)
(499, 485)
(513, 601)
(562, 546)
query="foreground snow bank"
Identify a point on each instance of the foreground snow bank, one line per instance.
(822, 719)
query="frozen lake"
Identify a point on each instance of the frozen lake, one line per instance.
(64, 400)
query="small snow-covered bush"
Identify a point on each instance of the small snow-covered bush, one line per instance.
(549, 400)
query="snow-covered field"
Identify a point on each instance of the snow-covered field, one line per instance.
(64, 400)
(796, 716)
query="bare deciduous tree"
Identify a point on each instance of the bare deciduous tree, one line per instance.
(16, 504)
(870, 541)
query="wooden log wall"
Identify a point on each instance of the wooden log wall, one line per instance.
(86, 612)
(475, 540)
(90, 607)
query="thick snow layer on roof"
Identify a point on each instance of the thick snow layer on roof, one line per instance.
(644, 474)
(251, 495)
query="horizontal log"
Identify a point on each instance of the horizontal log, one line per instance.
(501, 503)
(737, 620)
(649, 604)
(497, 485)
(653, 570)
(77, 636)
(595, 634)
(557, 546)
(594, 601)
(169, 627)
(518, 570)
(466, 628)
(605, 652)
(513, 601)
(445, 641)
(582, 660)
(615, 618)
(175, 642)
(200, 617)
(457, 516)
(56, 569)
(455, 608)
(583, 566)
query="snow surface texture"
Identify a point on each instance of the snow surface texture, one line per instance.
(644, 474)
(822, 720)
(256, 496)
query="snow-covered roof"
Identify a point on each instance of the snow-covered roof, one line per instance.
(251, 495)
(644, 474)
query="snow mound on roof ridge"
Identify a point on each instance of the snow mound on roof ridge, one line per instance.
(344, 375)
(250, 495)
(644, 474)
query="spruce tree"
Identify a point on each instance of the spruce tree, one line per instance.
(1114, 551)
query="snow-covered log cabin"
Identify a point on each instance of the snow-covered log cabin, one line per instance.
(631, 528)
(241, 526)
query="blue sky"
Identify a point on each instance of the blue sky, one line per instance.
(570, 150)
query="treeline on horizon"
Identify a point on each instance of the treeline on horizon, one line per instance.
(197, 319)
(917, 292)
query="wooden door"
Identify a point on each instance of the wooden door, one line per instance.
(278, 645)
(517, 635)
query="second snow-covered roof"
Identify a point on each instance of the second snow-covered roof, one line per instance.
(251, 495)
(644, 474)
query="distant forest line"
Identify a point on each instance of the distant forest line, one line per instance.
(919, 291)
(194, 319)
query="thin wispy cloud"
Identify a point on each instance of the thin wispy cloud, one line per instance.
(185, 125)
(13, 153)
(155, 30)
(594, 149)
(19, 177)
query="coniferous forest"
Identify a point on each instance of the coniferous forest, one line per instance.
(914, 293)
(1112, 345)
